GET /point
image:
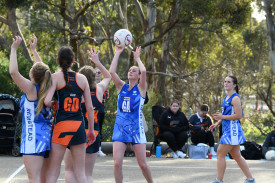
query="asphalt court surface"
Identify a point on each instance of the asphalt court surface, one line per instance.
(164, 170)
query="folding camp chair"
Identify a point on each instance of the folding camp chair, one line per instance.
(156, 113)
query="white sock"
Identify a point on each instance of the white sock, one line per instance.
(212, 149)
(99, 148)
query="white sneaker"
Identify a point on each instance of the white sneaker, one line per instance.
(174, 155)
(212, 151)
(100, 153)
(181, 154)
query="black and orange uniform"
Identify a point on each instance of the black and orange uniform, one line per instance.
(69, 125)
(197, 134)
(98, 106)
(102, 113)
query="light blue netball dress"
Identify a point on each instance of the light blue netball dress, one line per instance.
(128, 124)
(36, 130)
(232, 132)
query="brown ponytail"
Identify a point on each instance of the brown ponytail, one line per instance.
(65, 60)
(235, 81)
(90, 73)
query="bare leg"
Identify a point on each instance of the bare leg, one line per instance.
(56, 156)
(140, 152)
(223, 150)
(118, 154)
(69, 171)
(235, 153)
(89, 166)
(33, 169)
(44, 170)
(78, 156)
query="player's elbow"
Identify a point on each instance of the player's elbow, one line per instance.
(239, 116)
(112, 73)
(47, 103)
(143, 71)
(13, 73)
(90, 108)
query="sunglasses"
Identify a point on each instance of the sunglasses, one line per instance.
(98, 72)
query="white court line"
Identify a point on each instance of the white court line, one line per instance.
(15, 173)
(186, 167)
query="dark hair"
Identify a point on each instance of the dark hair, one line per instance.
(65, 59)
(175, 101)
(89, 72)
(235, 81)
(204, 107)
(136, 67)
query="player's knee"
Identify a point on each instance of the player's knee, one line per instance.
(143, 166)
(236, 156)
(117, 165)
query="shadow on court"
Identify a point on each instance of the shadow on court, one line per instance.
(164, 170)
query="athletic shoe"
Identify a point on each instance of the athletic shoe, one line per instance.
(181, 154)
(100, 153)
(217, 181)
(249, 181)
(174, 155)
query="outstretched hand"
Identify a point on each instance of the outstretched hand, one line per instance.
(93, 55)
(33, 43)
(16, 42)
(119, 49)
(137, 52)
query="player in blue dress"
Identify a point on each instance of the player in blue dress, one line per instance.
(129, 125)
(232, 135)
(36, 125)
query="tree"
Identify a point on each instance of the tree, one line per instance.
(269, 7)
(11, 21)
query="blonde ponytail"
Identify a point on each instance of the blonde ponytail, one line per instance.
(44, 86)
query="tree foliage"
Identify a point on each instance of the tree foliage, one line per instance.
(188, 46)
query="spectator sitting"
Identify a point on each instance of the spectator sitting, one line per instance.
(269, 143)
(199, 124)
(173, 129)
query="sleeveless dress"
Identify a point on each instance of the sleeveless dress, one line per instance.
(36, 130)
(69, 125)
(129, 124)
(232, 132)
(98, 107)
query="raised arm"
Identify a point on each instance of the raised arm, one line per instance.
(90, 111)
(24, 84)
(33, 44)
(117, 81)
(48, 100)
(142, 82)
(102, 85)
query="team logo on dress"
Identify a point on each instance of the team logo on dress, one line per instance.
(127, 105)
